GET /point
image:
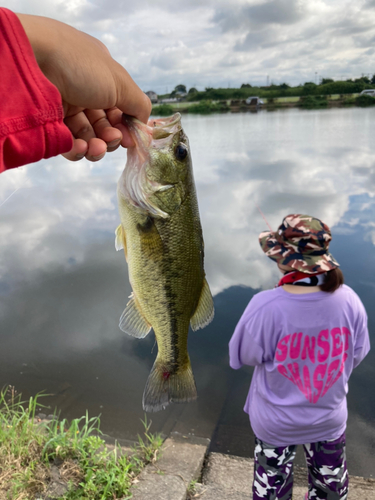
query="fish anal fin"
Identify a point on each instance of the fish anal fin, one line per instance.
(163, 387)
(132, 320)
(204, 312)
(120, 240)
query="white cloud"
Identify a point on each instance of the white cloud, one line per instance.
(208, 45)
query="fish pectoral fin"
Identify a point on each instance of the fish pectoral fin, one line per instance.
(120, 240)
(132, 320)
(204, 312)
(151, 243)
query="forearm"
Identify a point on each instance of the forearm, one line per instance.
(41, 35)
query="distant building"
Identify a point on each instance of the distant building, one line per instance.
(254, 101)
(152, 95)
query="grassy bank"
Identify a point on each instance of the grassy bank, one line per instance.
(202, 107)
(33, 452)
(235, 105)
(326, 87)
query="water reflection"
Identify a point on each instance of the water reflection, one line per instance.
(63, 286)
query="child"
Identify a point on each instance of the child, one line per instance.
(304, 338)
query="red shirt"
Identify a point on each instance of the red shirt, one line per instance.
(31, 112)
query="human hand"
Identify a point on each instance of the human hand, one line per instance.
(95, 89)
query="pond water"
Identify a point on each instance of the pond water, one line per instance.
(63, 286)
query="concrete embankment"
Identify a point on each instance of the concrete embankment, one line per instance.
(186, 470)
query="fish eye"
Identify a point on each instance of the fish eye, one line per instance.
(181, 152)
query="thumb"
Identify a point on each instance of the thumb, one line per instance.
(130, 98)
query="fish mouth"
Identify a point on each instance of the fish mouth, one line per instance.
(152, 134)
(134, 184)
(165, 127)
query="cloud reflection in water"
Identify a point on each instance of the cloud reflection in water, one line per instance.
(298, 161)
(60, 224)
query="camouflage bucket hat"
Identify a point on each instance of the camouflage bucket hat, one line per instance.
(300, 242)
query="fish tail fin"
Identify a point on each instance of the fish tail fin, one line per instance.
(164, 387)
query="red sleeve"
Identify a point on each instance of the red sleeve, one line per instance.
(31, 112)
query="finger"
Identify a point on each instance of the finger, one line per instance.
(80, 126)
(127, 140)
(114, 116)
(78, 150)
(97, 148)
(131, 100)
(103, 128)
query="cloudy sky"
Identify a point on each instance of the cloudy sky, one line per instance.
(220, 43)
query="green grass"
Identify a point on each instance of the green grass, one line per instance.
(349, 101)
(286, 99)
(30, 448)
(202, 107)
(335, 97)
(183, 105)
(365, 100)
(206, 107)
(190, 490)
(313, 102)
(163, 110)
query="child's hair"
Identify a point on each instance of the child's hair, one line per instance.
(333, 281)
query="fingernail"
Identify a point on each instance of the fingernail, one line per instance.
(98, 157)
(113, 143)
(79, 157)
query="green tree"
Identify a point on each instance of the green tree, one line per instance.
(362, 79)
(193, 90)
(180, 88)
(373, 79)
(245, 86)
(326, 80)
(309, 88)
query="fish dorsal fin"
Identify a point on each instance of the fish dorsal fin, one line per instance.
(204, 312)
(132, 320)
(120, 240)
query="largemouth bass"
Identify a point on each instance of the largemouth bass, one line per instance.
(161, 235)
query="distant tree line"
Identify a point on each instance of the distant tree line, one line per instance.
(327, 86)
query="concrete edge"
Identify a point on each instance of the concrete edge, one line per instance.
(169, 478)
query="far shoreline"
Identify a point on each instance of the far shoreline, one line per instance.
(270, 104)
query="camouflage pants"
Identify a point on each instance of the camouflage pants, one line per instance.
(326, 463)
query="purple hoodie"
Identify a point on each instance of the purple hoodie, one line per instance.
(304, 348)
